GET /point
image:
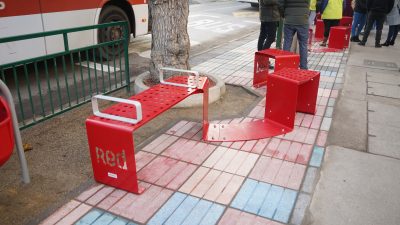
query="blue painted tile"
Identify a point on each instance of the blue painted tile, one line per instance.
(271, 202)
(104, 219)
(213, 214)
(244, 194)
(197, 214)
(90, 217)
(120, 221)
(285, 206)
(255, 202)
(169, 207)
(132, 223)
(317, 155)
(182, 211)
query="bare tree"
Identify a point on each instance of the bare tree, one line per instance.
(170, 39)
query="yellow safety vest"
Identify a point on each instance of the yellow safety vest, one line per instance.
(334, 10)
(313, 5)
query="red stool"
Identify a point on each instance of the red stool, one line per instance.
(319, 29)
(346, 21)
(6, 132)
(283, 59)
(339, 37)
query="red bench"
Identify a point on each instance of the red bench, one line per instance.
(283, 59)
(110, 132)
(339, 37)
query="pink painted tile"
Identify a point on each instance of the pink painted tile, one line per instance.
(219, 185)
(100, 195)
(181, 151)
(260, 167)
(122, 206)
(111, 199)
(301, 134)
(323, 101)
(75, 215)
(282, 150)
(142, 203)
(246, 219)
(334, 93)
(181, 177)
(290, 136)
(215, 157)
(237, 144)
(206, 183)
(320, 92)
(225, 159)
(304, 154)
(61, 213)
(156, 169)
(293, 152)
(150, 209)
(327, 93)
(158, 145)
(272, 147)
(322, 136)
(307, 121)
(89, 192)
(316, 123)
(230, 217)
(282, 177)
(298, 119)
(202, 151)
(272, 170)
(247, 165)
(296, 176)
(236, 161)
(142, 159)
(260, 145)
(171, 173)
(176, 127)
(311, 136)
(185, 128)
(248, 145)
(192, 182)
(256, 111)
(193, 131)
(320, 110)
(228, 193)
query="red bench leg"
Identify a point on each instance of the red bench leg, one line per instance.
(307, 99)
(261, 69)
(113, 156)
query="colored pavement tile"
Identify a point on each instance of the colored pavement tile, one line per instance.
(236, 217)
(278, 172)
(185, 209)
(213, 185)
(265, 200)
(317, 156)
(166, 172)
(100, 217)
(288, 150)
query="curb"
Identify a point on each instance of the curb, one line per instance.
(214, 93)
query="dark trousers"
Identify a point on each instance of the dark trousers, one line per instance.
(327, 26)
(392, 34)
(379, 19)
(267, 35)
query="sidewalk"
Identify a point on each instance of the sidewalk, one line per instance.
(268, 181)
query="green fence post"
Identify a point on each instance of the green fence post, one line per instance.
(126, 55)
(279, 35)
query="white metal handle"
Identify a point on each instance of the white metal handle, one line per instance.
(2, 5)
(96, 111)
(196, 73)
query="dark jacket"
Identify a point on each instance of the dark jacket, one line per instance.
(295, 12)
(380, 6)
(269, 11)
(361, 6)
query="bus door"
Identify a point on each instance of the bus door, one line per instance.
(20, 17)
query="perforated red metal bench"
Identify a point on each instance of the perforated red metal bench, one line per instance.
(319, 30)
(339, 37)
(346, 21)
(289, 90)
(110, 132)
(283, 59)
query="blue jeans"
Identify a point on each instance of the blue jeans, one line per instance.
(358, 23)
(302, 37)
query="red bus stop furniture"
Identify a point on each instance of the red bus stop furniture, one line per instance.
(289, 90)
(110, 132)
(283, 59)
(319, 29)
(346, 21)
(339, 37)
(6, 132)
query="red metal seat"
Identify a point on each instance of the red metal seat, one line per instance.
(288, 90)
(346, 21)
(110, 134)
(319, 29)
(339, 37)
(6, 132)
(283, 59)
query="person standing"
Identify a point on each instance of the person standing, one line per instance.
(313, 13)
(393, 19)
(359, 17)
(332, 11)
(377, 11)
(269, 17)
(296, 13)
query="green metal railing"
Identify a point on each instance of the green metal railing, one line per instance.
(49, 85)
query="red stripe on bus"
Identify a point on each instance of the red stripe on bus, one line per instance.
(29, 7)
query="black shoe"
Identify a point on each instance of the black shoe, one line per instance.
(386, 43)
(361, 43)
(391, 43)
(354, 39)
(377, 45)
(323, 44)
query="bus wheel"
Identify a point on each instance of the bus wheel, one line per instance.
(112, 14)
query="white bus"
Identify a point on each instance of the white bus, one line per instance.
(253, 3)
(19, 17)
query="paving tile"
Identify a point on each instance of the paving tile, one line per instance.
(186, 209)
(142, 159)
(309, 180)
(159, 144)
(326, 123)
(89, 192)
(141, 207)
(301, 205)
(265, 200)
(100, 195)
(236, 217)
(212, 185)
(75, 215)
(317, 156)
(278, 172)
(111, 199)
(321, 140)
(61, 213)
(166, 172)
(231, 161)
(189, 151)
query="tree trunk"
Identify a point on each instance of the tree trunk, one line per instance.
(170, 40)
